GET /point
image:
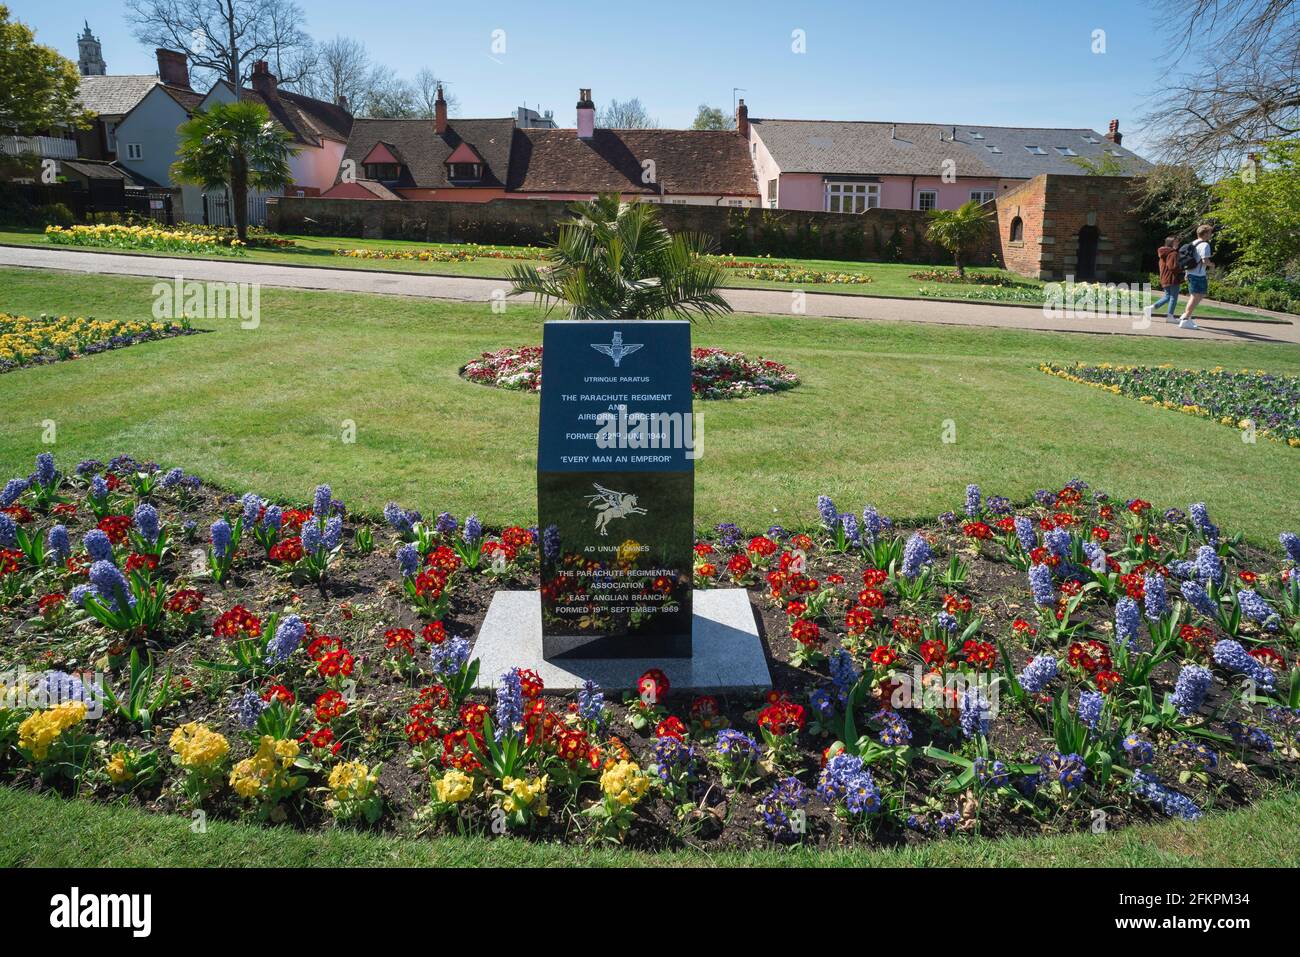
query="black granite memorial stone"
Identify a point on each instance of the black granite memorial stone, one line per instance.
(615, 489)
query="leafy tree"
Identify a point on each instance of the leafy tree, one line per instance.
(959, 231)
(1259, 208)
(615, 260)
(712, 118)
(626, 115)
(1102, 166)
(234, 146)
(39, 87)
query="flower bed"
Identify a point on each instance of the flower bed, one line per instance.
(1013, 670)
(453, 254)
(715, 373)
(114, 236)
(970, 279)
(25, 341)
(1243, 399)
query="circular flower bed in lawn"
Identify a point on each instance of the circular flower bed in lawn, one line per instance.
(715, 373)
(1006, 670)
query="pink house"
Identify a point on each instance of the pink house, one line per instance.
(850, 166)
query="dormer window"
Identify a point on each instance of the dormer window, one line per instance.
(472, 172)
(383, 172)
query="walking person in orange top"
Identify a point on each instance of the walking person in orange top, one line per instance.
(1171, 279)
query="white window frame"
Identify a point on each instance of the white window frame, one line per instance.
(772, 195)
(983, 195)
(1036, 150)
(934, 204)
(861, 196)
(1065, 151)
(135, 151)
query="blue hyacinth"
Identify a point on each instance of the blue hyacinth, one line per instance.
(852, 535)
(1156, 602)
(1209, 567)
(1089, 708)
(272, 518)
(58, 687)
(1127, 618)
(1148, 787)
(1025, 533)
(1290, 541)
(8, 531)
(171, 479)
(332, 534)
(1200, 516)
(312, 539)
(449, 657)
(97, 546)
(1057, 541)
(844, 674)
(60, 548)
(288, 636)
(445, 524)
(975, 712)
(1199, 598)
(408, 561)
(1190, 689)
(916, 555)
(45, 474)
(1257, 609)
(13, 491)
(247, 708)
(473, 530)
(1038, 673)
(401, 520)
(221, 538)
(829, 513)
(871, 524)
(111, 586)
(551, 543)
(147, 523)
(509, 704)
(323, 501)
(591, 704)
(251, 506)
(1040, 583)
(973, 500)
(1231, 655)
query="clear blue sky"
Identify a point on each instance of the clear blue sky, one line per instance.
(1009, 63)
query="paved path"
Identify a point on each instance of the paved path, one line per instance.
(762, 301)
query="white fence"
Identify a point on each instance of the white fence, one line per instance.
(51, 147)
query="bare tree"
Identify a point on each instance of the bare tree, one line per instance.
(292, 56)
(388, 95)
(626, 115)
(342, 68)
(1232, 83)
(222, 38)
(426, 93)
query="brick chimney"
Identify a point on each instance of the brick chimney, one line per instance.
(742, 119)
(1113, 134)
(264, 81)
(440, 113)
(172, 69)
(586, 115)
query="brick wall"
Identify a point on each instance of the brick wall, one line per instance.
(1054, 210)
(876, 235)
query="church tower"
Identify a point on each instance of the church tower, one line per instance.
(90, 60)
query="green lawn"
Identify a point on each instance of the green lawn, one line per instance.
(266, 409)
(892, 280)
(47, 831)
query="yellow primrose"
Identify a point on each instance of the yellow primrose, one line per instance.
(352, 781)
(116, 767)
(525, 793)
(198, 746)
(625, 783)
(42, 728)
(453, 787)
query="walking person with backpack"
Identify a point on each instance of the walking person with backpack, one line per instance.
(1195, 258)
(1171, 279)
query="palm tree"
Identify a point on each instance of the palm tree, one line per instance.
(234, 146)
(615, 260)
(959, 231)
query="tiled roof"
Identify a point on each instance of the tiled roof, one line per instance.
(920, 149)
(114, 95)
(425, 153)
(308, 120)
(188, 99)
(685, 161)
